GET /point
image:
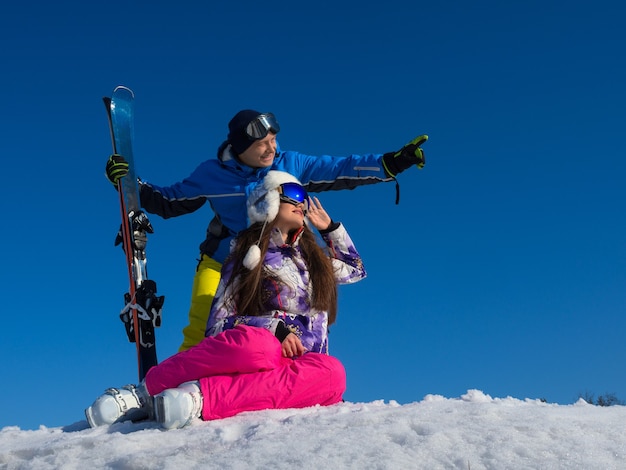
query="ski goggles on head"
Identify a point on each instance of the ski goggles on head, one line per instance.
(292, 193)
(260, 126)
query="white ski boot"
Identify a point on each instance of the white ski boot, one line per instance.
(177, 407)
(120, 404)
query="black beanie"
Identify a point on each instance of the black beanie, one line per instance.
(237, 136)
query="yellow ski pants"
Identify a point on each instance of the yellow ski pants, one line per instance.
(204, 287)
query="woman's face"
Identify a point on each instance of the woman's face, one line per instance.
(290, 216)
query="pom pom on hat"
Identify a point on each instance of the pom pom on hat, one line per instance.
(252, 258)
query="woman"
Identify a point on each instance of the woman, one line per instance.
(267, 334)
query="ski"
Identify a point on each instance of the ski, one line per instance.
(142, 307)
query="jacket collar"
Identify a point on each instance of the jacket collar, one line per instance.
(276, 237)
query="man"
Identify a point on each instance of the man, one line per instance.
(243, 160)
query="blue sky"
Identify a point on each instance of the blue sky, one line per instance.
(502, 269)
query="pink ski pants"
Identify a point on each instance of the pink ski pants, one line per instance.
(242, 369)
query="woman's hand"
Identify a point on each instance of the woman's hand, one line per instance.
(317, 215)
(292, 346)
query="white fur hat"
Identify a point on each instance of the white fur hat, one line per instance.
(264, 200)
(263, 205)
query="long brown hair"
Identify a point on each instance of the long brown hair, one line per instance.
(248, 298)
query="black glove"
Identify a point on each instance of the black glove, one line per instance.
(117, 167)
(282, 331)
(409, 155)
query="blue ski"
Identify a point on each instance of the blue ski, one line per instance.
(142, 310)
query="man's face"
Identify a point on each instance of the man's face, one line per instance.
(261, 153)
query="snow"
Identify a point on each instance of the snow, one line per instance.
(472, 432)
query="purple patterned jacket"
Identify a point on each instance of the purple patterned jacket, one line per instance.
(290, 301)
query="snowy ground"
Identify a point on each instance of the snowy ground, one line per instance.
(472, 432)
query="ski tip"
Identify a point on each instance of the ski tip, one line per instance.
(123, 89)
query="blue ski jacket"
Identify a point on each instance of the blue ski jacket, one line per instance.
(226, 183)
